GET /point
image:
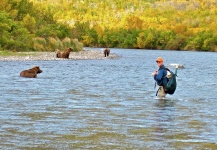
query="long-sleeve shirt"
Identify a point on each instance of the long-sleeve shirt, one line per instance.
(160, 77)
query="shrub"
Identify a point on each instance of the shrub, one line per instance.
(66, 42)
(39, 44)
(52, 44)
(76, 45)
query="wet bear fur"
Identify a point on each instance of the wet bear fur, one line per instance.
(31, 73)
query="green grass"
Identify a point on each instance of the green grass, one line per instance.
(10, 53)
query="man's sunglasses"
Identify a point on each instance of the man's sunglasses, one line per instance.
(158, 61)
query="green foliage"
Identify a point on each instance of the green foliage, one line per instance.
(130, 39)
(29, 23)
(13, 35)
(210, 44)
(91, 38)
(148, 39)
(204, 41)
(22, 40)
(24, 7)
(66, 42)
(152, 24)
(176, 43)
(39, 43)
(76, 45)
(25, 26)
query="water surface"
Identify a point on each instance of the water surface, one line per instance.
(109, 103)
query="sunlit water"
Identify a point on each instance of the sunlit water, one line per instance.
(109, 103)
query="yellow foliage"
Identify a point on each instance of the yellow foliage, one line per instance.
(87, 40)
(213, 27)
(132, 14)
(180, 28)
(4, 5)
(134, 22)
(180, 17)
(141, 40)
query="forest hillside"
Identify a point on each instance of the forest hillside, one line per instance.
(45, 25)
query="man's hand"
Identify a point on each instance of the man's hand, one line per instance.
(154, 73)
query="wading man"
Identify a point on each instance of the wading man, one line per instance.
(160, 77)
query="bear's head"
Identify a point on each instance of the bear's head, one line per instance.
(37, 69)
(69, 49)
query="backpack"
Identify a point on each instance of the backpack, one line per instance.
(170, 87)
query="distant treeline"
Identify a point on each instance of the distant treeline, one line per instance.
(45, 25)
(28, 27)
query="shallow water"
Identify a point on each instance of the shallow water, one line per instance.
(109, 103)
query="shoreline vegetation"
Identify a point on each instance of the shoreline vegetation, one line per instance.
(48, 56)
(46, 25)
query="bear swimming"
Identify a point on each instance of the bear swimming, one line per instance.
(64, 54)
(106, 52)
(31, 73)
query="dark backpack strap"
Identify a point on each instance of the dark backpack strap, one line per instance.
(171, 71)
(157, 91)
(167, 69)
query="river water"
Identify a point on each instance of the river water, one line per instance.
(109, 103)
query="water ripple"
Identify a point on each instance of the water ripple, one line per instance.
(108, 104)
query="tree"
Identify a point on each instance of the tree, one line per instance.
(24, 7)
(30, 23)
(134, 22)
(177, 43)
(210, 44)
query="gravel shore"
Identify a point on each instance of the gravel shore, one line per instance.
(37, 56)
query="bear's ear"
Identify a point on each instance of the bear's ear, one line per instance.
(36, 67)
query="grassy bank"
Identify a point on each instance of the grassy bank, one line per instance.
(10, 53)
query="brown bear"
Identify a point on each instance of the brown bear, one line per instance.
(31, 73)
(64, 54)
(106, 52)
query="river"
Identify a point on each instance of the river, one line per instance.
(109, 103)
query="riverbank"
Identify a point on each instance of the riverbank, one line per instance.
(37, 56)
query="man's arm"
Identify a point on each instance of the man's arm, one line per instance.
(158, 77)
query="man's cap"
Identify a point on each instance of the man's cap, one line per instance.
(160, 59)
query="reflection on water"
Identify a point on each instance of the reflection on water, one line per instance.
(109, 104)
